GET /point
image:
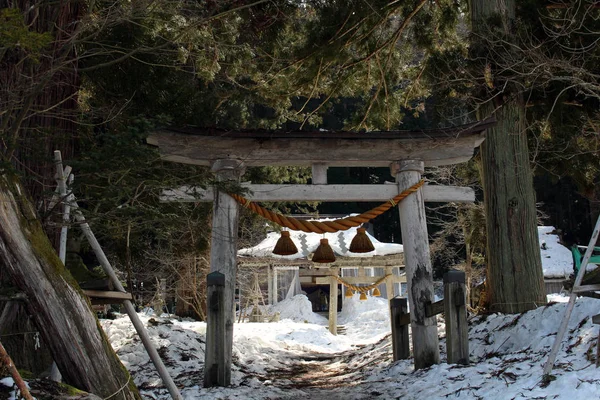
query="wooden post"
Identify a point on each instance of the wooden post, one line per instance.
(319, 174)
(455, 312)
(62, 191)
(215, 371)
(389, 283)
(333, 301)
(400, 321)
(223, 258)
(270, 284)
(275, 288)
(162, 291)
(419, 272)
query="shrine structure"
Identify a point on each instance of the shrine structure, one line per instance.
(406, 153)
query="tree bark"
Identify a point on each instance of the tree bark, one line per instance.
(59, 309)
(515, 281)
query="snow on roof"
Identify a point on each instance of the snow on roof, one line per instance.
(557, 261)
(308, 242)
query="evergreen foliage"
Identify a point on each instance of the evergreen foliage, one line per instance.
(271, 65)
(119, 180)
(552, 61)
(360, 65)
(15, 34)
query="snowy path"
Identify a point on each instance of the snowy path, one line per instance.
(330, 376)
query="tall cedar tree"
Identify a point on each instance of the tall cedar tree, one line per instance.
(515, 281)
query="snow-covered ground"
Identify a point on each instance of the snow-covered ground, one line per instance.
(297, 357)
(301, 360)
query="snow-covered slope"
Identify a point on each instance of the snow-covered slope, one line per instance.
(298, 360)
(295, 360)
(297, 357)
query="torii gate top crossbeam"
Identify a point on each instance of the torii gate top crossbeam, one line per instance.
(203, 146)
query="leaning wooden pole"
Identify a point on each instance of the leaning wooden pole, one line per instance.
(87, 231)
(135, 319)
(61, 178)
(419, 272)
(571, 304)
(7, 362)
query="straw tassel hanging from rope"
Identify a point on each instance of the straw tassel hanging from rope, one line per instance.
(324, 253)
(285, 245)
(361, 242)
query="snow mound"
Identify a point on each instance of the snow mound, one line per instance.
(532, 332)
(355, 309)
(507, 354)
(366, 320)
(557, 261)
(298, 309)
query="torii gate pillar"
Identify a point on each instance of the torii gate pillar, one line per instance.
(419, 273)
(223, 258)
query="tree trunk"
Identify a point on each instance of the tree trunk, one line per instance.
(59, 309)
(40, 133)
(515, 281)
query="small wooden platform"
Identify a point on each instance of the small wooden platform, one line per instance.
(106, 297)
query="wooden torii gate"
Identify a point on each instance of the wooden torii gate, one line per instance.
(407, 153)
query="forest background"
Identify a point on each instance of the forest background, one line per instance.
(93, 79)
